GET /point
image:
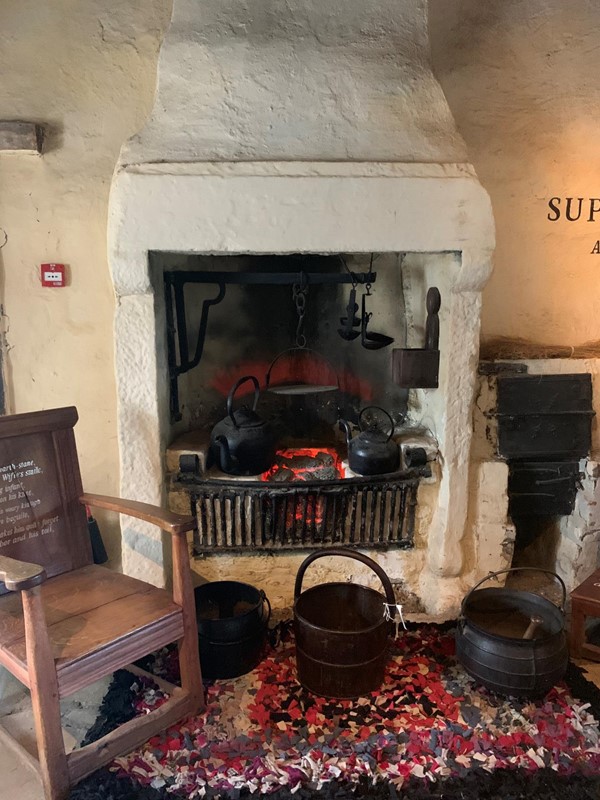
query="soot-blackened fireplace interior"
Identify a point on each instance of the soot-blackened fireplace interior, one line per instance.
(319, 334)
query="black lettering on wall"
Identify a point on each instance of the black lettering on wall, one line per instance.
(554, 204)
(594, 208)
(568, 209)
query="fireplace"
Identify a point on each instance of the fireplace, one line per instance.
(304, 132)
(313, 369)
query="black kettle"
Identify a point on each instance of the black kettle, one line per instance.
(242, 443)
(372, 452)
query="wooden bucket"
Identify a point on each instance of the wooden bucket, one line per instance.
(341, 632)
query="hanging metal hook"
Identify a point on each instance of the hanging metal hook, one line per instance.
(369, 279)
(299, 293)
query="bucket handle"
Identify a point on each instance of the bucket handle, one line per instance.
(265, 599)
(517, 569)
(340, 551)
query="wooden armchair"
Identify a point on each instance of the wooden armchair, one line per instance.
(65, 622)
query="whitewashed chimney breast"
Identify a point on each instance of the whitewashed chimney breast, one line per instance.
(297, 80)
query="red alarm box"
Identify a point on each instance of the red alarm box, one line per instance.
(53, 274)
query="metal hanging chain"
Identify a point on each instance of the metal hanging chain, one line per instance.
(352, 275)
(299, 293)
(368, 284)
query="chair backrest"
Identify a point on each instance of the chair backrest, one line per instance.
(41, 518)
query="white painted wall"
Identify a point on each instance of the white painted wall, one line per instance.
(521, 77)
(87, 71)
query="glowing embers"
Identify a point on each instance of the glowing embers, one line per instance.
(297, 465)
(305, 464)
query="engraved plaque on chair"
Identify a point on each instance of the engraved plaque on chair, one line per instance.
(38, 503)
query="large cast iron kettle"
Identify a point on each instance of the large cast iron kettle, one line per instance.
(242, 443)
(372, 452)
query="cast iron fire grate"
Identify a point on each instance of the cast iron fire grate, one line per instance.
(373, 512)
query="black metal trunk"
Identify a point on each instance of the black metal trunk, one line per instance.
(544, 416)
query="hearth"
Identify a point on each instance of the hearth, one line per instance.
(316, 363)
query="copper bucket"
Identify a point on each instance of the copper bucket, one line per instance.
(341, 632)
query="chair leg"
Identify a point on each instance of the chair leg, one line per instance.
(45, 698)
(183, 595)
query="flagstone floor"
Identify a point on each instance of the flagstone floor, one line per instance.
(18, 776)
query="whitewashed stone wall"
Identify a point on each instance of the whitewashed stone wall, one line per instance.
(297, 80)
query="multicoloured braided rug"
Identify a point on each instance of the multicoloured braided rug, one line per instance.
(430, 731)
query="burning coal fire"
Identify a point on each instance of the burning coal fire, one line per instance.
(295, 465)
(305, 464)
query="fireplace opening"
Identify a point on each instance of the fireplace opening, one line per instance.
(316, 333)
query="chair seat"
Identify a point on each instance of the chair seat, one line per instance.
(98, 621)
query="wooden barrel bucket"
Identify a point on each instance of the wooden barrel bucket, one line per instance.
(341, 632)
(513, 642)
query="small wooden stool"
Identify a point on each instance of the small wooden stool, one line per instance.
(585, 602)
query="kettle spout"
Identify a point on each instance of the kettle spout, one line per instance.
(344, 426)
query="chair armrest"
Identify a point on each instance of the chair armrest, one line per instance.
(19, 575)
(165, 520)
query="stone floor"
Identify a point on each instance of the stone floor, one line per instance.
(19, 777)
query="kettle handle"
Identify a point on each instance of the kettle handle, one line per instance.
(234, 389)
(340, 551)
(366, 408)
(517, 569)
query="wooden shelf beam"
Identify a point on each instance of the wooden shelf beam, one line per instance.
(21, 137)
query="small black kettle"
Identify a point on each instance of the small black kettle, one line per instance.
(242, 443)
(372, 452)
